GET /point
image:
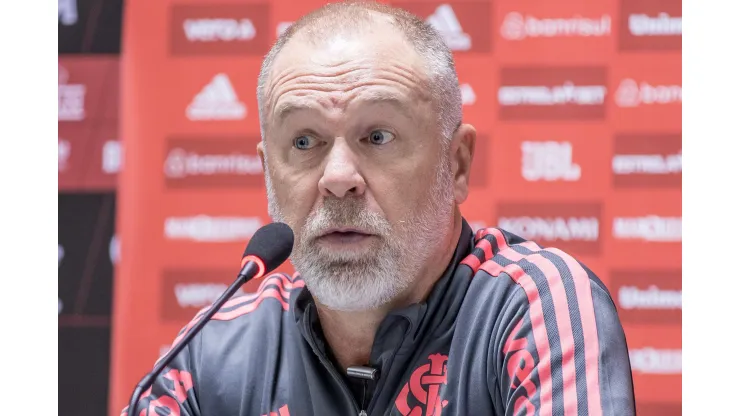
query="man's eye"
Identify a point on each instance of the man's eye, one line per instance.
(379, 137)
(304, 142)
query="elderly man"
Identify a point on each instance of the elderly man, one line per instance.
(397, 307)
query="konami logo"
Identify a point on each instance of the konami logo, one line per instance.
(552, 93)
(574, 227)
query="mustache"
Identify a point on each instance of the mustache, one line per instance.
(345, 212)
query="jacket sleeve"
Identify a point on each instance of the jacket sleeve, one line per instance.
(173, 391)
(560, 348)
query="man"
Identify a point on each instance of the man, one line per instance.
(397, 307)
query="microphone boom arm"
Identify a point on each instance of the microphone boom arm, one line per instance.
(251, 269)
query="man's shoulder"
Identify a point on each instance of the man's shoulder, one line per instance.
(267, 307)
(519, 272)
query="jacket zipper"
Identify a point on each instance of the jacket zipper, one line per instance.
(329, 367)
(364, 397)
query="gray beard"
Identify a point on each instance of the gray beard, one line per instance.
(350, 281)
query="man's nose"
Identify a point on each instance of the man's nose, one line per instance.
(341, 174)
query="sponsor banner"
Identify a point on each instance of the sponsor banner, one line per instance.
(89, 159)
(217, 100)
(554, 32)
(656, 361)
(187, 291)
(647, 296)
(552, 93)
(210, 228)
(647, 93)
(86, 86)
(651, 228)
(220, 29)
(212, 162)
(551, 161)
(650, 25)
(208, 237)
(465, 25)
(210, 99)
(647, 161)
(575, 228)
(644, 229)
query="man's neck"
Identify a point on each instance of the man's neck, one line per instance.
(350, 335)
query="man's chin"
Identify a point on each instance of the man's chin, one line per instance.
(351, 295)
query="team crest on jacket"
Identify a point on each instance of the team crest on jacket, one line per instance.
(420, 396)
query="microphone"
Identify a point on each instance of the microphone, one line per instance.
(268, 248)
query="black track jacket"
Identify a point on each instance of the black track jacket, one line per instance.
(510, 328)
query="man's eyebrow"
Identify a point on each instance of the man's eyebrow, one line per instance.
(383, 98)
(284, 109)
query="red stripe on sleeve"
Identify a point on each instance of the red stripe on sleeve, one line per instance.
(565, 330)
(590, 334)
(539, 330)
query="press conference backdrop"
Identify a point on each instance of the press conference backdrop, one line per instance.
(577, 105)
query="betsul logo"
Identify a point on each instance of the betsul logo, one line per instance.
(648, 296)
(572, 227)
(465, 27)
(212, 163)
(552, 93)
(647, 161)
(425, 385)
(220, 29)
(650, 25)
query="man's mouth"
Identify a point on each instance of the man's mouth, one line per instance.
(344, 235)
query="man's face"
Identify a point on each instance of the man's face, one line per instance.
(356, 166)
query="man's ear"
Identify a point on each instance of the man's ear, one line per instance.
(261, 154)
(462, 149)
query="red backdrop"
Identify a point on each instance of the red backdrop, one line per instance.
(578, 105)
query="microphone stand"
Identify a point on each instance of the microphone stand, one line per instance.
(248, 272)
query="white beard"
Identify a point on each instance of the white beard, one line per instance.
(348, 281)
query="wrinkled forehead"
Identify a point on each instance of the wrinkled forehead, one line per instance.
(377, 65)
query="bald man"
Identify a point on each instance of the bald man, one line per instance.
(397, 306)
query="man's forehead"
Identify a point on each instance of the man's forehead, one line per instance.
(356, 67)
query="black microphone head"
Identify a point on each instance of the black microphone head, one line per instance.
(272, 244)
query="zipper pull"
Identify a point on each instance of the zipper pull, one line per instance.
(363, 413)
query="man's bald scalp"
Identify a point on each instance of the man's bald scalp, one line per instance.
(356, 18)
